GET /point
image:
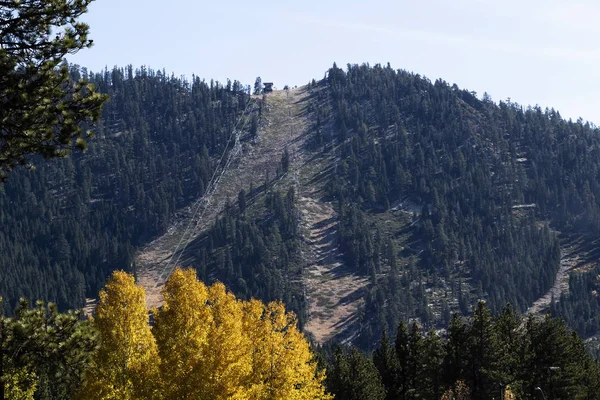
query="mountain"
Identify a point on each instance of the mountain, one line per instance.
(69, 223)
(500, 195)
(370, 197)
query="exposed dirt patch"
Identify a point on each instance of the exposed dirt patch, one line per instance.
(334, 294)
(256, 164)
(576, 256)
(561, 284)
(90, 306)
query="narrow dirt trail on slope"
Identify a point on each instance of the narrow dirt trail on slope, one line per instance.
(560, 285)
(573, 257)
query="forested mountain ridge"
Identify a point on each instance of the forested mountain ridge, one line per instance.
(367, 198)
(494, 190)
(70, 222)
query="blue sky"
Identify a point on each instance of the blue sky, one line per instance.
(535, 52)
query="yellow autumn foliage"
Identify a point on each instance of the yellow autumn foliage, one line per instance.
(281, 357)
(19, 384)
(508, 394)
(126, 365)
(205, 344)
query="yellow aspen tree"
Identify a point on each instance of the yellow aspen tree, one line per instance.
(213, 346)
(227, 358)
(282, 363)
(181, 330)
(126, 365)
(258, 382)
(205, 344)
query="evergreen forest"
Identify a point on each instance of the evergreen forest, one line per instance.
(482, 357)
(69, 223)
(494, 194)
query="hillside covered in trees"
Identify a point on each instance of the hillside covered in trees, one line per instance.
(441, 198)
(491, 193)
(69, 223)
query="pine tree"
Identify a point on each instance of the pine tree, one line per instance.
(258, 86)
(555, 360)
(253, 126)
(386, 362)
(415, 374)
(352, 376)
(285, 161)
(482, 353)
(42, 108)
(507, 328)
(432, 360)
(49, 351)
(402, 354)
(242, 201)
(457, 351)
